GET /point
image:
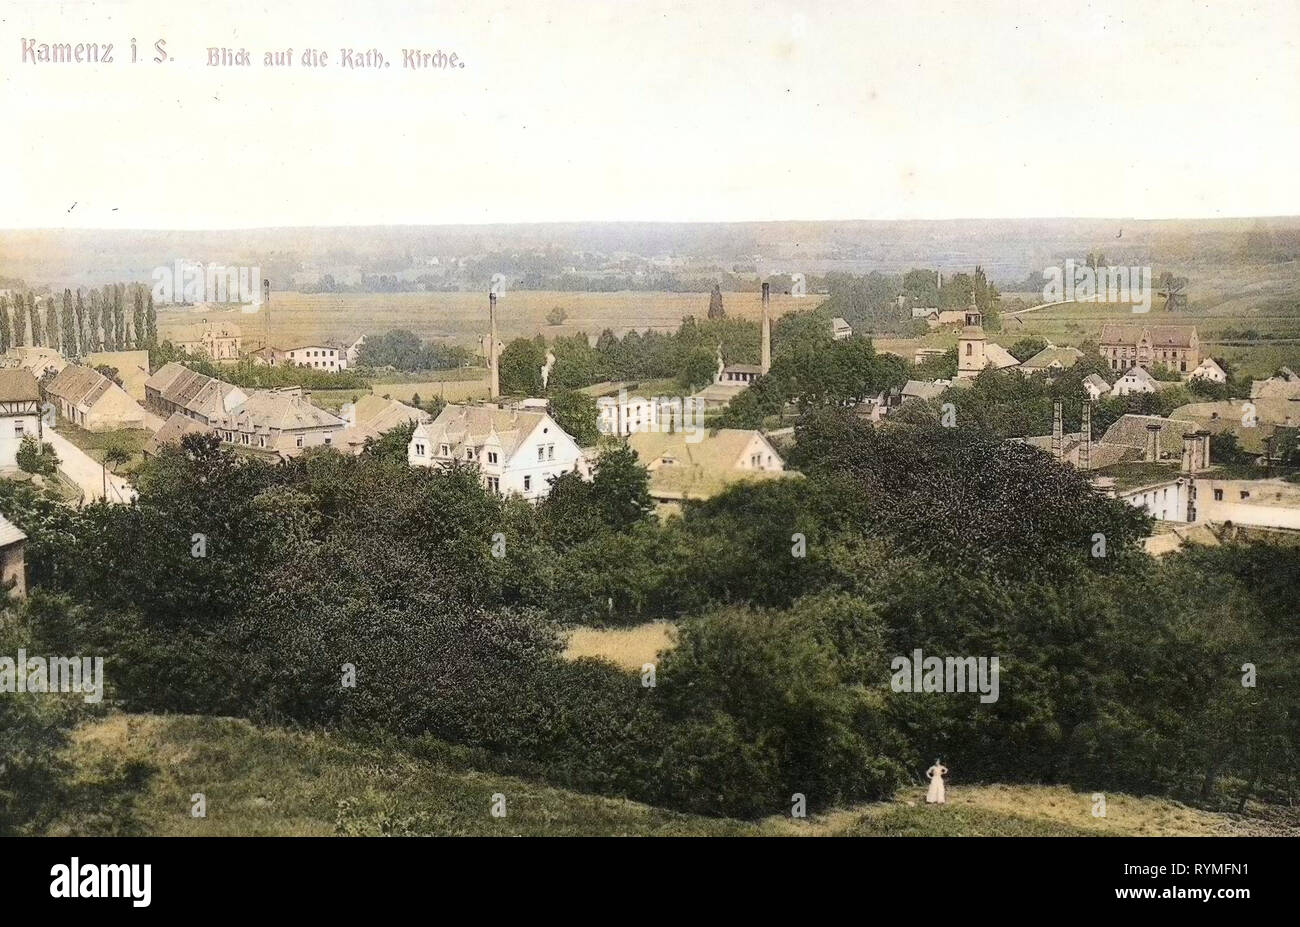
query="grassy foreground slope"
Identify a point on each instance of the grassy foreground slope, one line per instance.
(269, 781)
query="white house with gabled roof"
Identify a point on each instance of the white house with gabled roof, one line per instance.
(517, 452)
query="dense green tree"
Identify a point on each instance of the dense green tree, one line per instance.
(576, 413)
(715, 303)
(521, 367)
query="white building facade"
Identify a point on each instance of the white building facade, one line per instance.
(516, 452)
(318, 356)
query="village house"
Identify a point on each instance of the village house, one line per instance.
(1255, 424)
(1153, 437)
(624, 414)
(219, 340)
(1135, 380)
(176, 427)
(729, 381)
(38, 360)
(371, 416)
(266, 357)
(924, 389)
(516, 452)
(1095, 387)
(1285, 385)
(281, 421)
(91, 401)
(1174, 346)
(680, 469)
(20, 413)
(921, 355)
(1052, 360)
(840, 329)
(330, 357)
(1209, 369)
(13, 566)
(175, 388)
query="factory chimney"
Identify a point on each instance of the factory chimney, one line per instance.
(1085, 448)
(1153, 442)
(494, 381)
(266, 308)
(1058, 436)
(765, 362)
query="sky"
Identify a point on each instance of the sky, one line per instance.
(651, 110)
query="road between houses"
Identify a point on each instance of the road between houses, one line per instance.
(86, 471)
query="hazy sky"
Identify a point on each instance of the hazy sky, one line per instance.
(653, 110)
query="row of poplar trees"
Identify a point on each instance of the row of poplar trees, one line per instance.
(98, 320)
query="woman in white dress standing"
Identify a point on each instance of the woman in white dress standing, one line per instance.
(935, 774)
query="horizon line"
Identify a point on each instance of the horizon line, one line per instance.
(651, 222)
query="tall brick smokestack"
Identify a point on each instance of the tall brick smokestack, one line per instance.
(1085, 448)
(1058, 434)
(1153, 442)
(494, 381)
(266, 308)
(765, 362)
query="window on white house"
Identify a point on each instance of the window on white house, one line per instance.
(18, 429)
(419, 449)
(528, 483)
(494, 485)
(299, 441)
(550, 450)
(328, 439)
(492, 457)
(1218, 495)
(444, 450)
(541, 453)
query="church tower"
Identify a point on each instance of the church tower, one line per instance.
(971, 356)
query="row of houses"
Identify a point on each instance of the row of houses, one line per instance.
(520, 450)
(221, 340)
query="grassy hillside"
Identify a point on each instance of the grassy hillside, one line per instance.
(267, 781)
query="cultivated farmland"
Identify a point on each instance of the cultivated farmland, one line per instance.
(462, 318)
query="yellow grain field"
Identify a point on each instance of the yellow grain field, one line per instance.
(628, 648)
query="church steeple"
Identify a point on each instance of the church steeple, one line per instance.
(971, 356)
(974, 318)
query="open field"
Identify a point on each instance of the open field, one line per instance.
(629, 648)
(462, 318)
(142, 769)
(95, 443)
